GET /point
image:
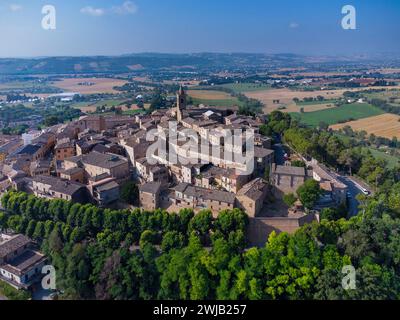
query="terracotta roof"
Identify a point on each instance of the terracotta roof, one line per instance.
(67, 187)
(107, 186)
(206, 194)
(150, 187)
(290, 170)
(189, 120)
(101, 160)
(13, 244)
(24, 262)
(58, 185)
(254, 189)
(72, 171)
(262, 152)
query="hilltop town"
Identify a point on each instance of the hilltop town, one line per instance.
(224, 152)
(91, 159)
(231, 159)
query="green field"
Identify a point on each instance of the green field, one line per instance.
(246, 87)
(344, 113)
(392, 161)
(313, 103)
(218, 102)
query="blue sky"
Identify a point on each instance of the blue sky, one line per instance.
(112, 27)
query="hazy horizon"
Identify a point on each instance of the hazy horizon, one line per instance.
(205, 52)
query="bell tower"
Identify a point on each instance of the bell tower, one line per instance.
(181, 102)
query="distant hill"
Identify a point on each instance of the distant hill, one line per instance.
(154, 61)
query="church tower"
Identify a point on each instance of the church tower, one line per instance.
(181, 102)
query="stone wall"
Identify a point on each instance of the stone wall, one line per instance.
(260, 228)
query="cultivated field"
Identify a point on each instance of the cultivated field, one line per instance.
(385, 125)
(99, 85)
(322, 74)
(213, 98)
(209, 94)
(286, 96)
(338, 114)
(92, 107)
(310, 107)
(246, 87)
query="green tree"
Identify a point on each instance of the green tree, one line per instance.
(309, 193)
(130, 193)
(201, 223)
(172, 240)
(51, 121)
(298, 163)
(148, 237)
(289, 199)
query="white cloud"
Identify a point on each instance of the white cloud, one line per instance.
(294, 25)
(95, 12)
(15, 7)
(128, 7)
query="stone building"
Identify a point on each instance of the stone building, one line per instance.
(149, 195)
(55, 188)
(20, 265)
(189, 196)
(252, 196)
(96, 164)
(65, 148)
(287, 179)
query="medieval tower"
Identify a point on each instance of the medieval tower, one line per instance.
(181, 101)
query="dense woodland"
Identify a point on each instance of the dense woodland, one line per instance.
(108, 254)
